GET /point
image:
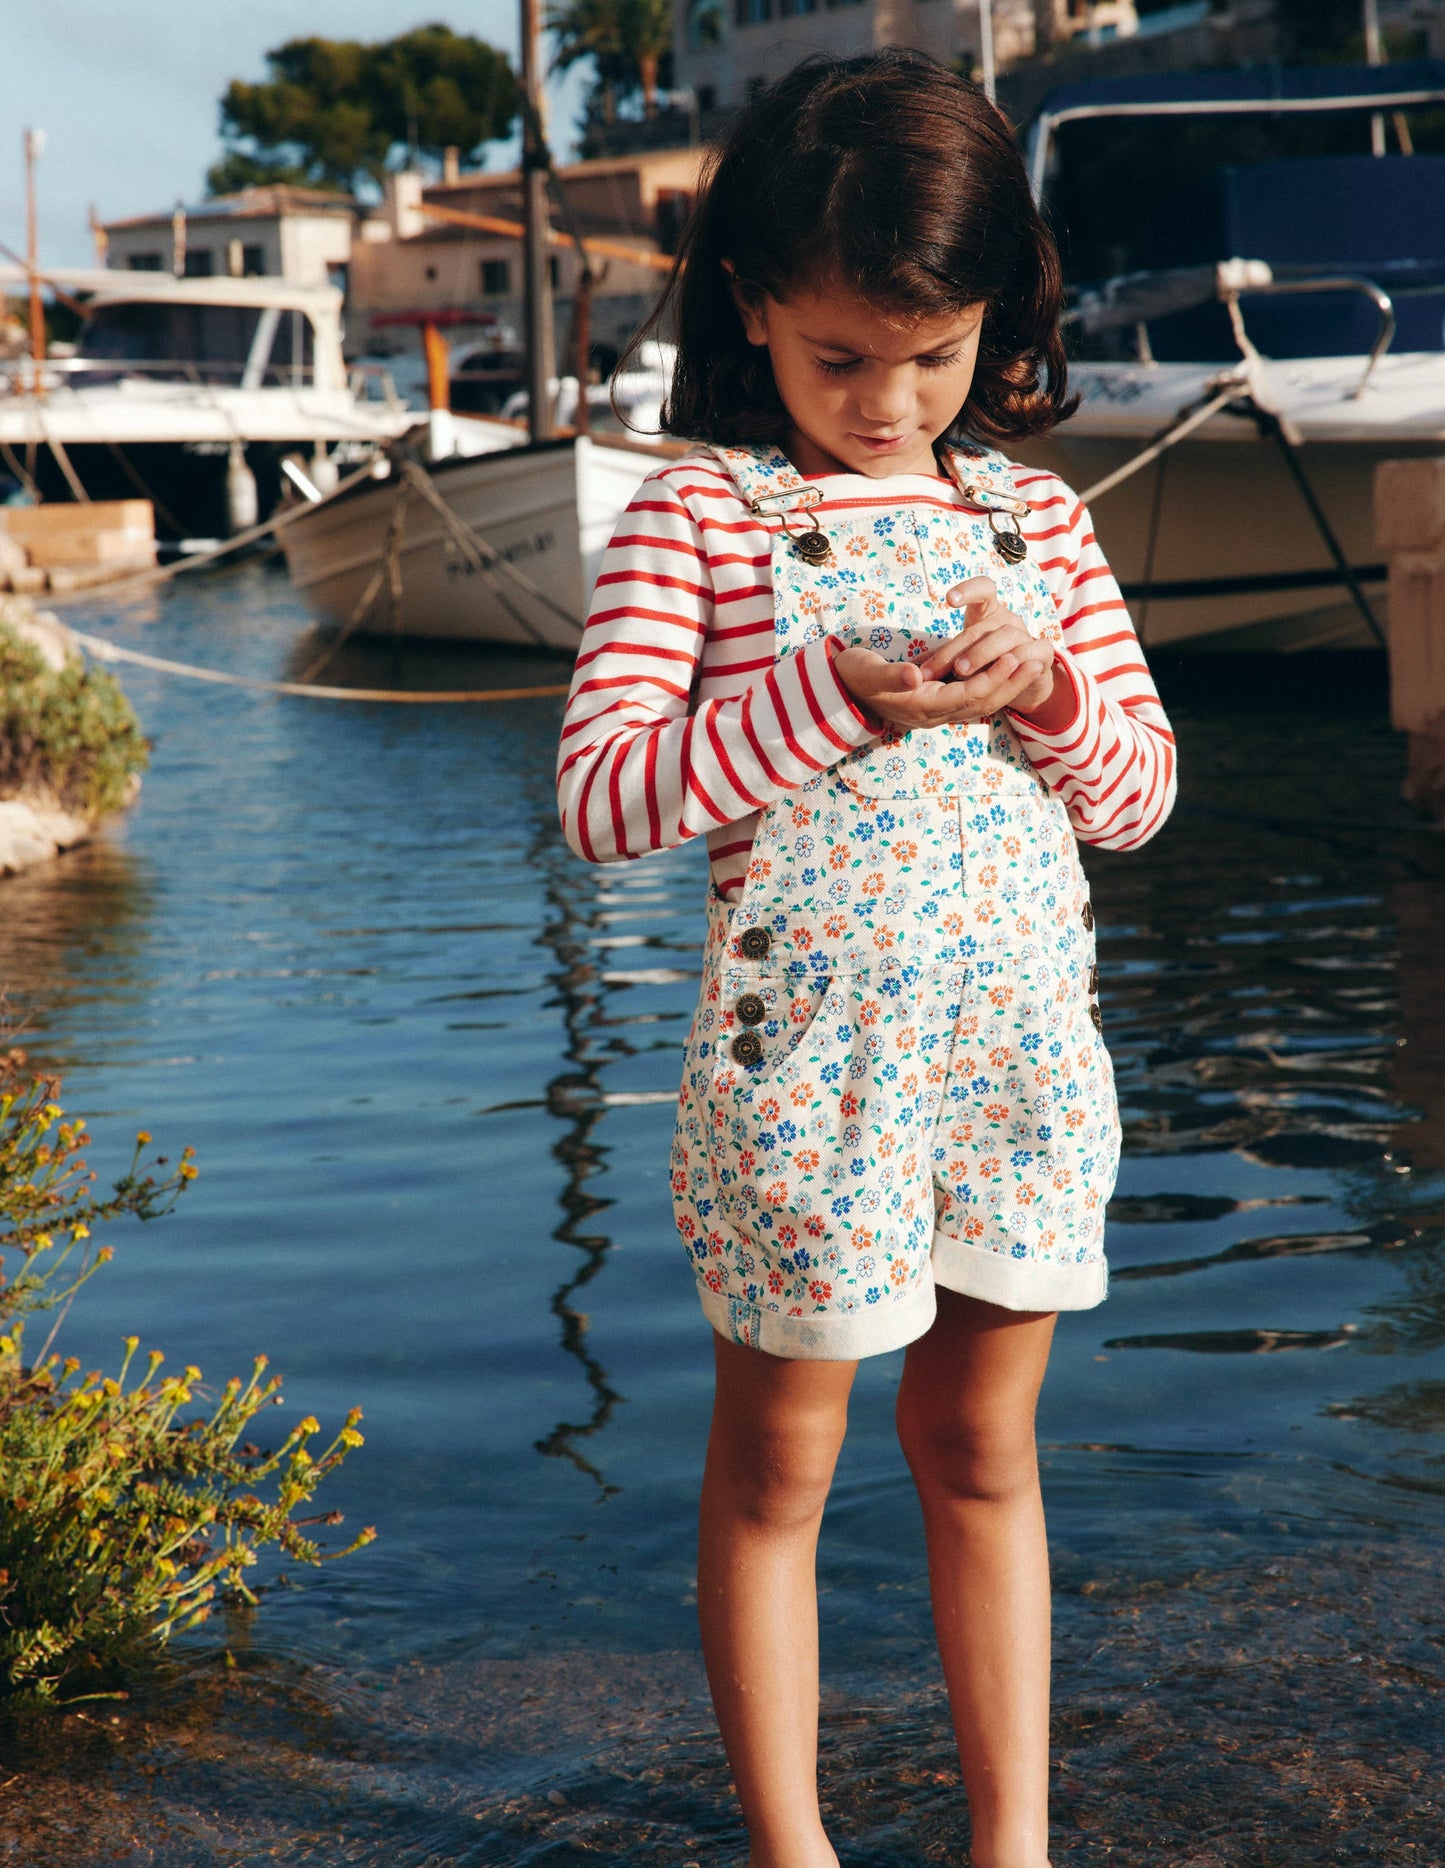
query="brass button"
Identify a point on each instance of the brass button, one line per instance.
(1094, 977)
(754, 943)
(1088, 916)
(750, 1009)
(747, 1047)
(1094, 1013)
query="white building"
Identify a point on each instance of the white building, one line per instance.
(408, 265)
(725, 51)
(302, 235)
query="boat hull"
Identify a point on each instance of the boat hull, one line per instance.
(1214, 543)
(548, 510)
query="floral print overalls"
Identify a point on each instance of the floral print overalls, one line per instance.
(896, 1077)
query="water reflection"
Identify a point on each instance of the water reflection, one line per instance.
(1417, 1064)
(57, 921)
(575, 1096)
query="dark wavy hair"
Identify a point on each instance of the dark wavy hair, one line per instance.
(891, 176)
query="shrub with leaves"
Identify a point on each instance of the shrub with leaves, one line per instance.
(120, 1522)
(69, 731)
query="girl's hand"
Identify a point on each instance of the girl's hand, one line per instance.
(994, 658)
(992, 664)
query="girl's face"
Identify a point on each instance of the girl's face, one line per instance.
(866, 390)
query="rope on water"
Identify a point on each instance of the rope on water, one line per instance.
(107, 651)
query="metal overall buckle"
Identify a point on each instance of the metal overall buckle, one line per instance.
(814, 546)
(1008, 541)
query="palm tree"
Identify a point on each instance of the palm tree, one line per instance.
(627, 41)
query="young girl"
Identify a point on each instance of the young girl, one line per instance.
(890, 676)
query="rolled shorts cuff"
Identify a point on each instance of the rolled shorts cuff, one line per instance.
(1017, 1283)
(847, 1337)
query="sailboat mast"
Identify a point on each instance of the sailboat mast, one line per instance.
(536, 222)
(34, 142)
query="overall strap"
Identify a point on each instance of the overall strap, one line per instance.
(984, 478)
(767, 479)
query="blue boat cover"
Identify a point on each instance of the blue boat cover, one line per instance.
(1350, 212)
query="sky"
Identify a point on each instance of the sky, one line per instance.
(127, 93)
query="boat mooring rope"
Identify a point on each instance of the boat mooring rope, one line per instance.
(106, 651)
(481, 555)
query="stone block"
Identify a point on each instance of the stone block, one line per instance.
(1410, 504)
(1417, 640)
(117, 533)
(32, 830)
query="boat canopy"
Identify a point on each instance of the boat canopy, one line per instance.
(1254, 90)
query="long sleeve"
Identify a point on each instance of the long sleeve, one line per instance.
(680, 720)
(1113, 764)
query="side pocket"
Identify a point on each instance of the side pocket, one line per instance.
(779, 1012)
(747, 1101)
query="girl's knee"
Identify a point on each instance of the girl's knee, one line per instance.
(775, 1473)
(957, 1455)
(782, 1491)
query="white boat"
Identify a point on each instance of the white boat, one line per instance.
(178, 388)
(502, 547)
(499, 548)
(1341, 284)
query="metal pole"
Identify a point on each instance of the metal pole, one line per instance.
(1374, 55)
(536, 273)
(985, 49)
(34, 143)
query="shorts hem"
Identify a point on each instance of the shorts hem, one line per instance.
(1017, 1283)
(866, 1332)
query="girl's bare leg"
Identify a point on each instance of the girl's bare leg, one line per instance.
(776, 1430)
(966, 1420)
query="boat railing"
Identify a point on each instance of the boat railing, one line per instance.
(1136, 297)
(1336, 282)
(21, 376)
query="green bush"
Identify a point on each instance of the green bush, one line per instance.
(119, 1522)
(72, 732)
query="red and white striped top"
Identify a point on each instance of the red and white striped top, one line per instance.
(682, 720)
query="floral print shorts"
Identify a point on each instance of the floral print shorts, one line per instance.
(896, 1084)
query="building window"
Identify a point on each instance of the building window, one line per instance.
(200, 262)
(431, 273)
(496, 278)
(752, 12)
(554, 271)
(253, 262)
(789, 8)
(144, 262)
(707, 97)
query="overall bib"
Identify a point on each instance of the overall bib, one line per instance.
(895, 1077)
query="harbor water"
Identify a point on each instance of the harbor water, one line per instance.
(428, 1061)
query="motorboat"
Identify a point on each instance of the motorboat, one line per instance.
(192, 392)
(502, 547)
(1315, 280)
